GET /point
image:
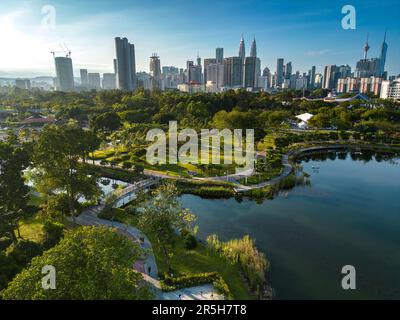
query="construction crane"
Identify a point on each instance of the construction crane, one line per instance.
(64, 49)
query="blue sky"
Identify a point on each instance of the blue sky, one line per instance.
(304, 32)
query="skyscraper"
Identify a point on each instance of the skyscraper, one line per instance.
(126, 64)
(193, 73)
(215, 74)
(84, 76)
(155, 72)
(65, 74)
(253, 50)
(331, 76)
(344, 71)
(288, 70)
(219, 54)
(251, 72)
(94, 80)
(108, 81)
(242, 49)
(279, 72)
(233, 71)
(207, 62)
(382, 57)
(312, 77)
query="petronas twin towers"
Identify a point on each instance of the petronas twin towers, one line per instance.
(251, 65)
(242, 49)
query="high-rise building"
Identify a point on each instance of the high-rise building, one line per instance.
(126, 64)
(215, 74)
(391, 89)
(207, 62)
(251, 72)
(65, 74)
(331, 76)
(348, 85)
(288, 70)
(233, 71)
(311, 79)
(253, 50)
(94, 80)
(193, 73)
(242, 49)
(143, 80)
(109, 81)
(219, 54)
(279, 72)
(23, 84)
(382, 57)
(264, 81)
(84, 76)
(155, 72)
(171, 77)
(344, 71)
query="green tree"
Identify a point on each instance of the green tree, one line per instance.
(91, 263)
(106, 123)
(57, 156)
(13, 191)
(162, 216)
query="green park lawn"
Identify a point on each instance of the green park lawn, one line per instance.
(32, 229)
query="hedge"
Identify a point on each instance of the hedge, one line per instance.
(192, 280)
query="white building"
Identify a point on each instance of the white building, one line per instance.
(390, 89)
(109, 81)
(191, 87)
(304, 118)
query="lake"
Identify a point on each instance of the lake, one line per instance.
(349, 215)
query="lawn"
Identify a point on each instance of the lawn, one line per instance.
(32, 229)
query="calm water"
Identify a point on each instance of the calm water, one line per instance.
(349, 215)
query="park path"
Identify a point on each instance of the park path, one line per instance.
(148, 266)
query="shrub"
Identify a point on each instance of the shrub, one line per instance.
(191, 280)
(190, 241)
(23, 251)
(53, 233)
(212, 192)
(288, 182)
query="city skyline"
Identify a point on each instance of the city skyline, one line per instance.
(96, 53)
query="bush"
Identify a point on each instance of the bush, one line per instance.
(23, 251)
(190, 241)
(222, 287)
(53, 233)
(288, 182)
(212, 192)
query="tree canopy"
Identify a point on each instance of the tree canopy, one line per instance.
(91, 263)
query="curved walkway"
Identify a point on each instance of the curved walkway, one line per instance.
(287, 165)
(89, 217)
